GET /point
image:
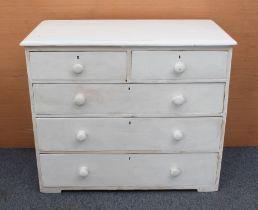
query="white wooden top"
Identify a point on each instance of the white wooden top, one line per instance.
(128, 33)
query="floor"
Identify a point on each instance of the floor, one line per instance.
(238, 188)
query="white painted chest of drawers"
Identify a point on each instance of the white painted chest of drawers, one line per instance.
(122, 104)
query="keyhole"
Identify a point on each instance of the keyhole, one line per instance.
(78, 57)
(129, 158)
(130, 122)
(129, 88)
(179, 56)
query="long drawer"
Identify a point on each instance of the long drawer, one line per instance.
(85, 66)
(145, 99)
(128, 170)
(176, 65)
(159, 135)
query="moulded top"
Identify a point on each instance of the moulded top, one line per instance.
(128, 33)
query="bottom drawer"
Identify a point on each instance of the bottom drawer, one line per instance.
(104, 171)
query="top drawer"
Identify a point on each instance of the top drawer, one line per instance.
(177, 65)
(84, 66)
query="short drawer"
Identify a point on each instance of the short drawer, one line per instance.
(134, 99)
(159, 135)
(177, 65)
(128, 170)
(86, 66)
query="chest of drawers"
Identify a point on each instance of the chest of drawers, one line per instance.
(128, 104)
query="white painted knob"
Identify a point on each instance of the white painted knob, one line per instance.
(81, 135)
(79, 99)
(178, 100)
(83, 171)
(77, 68)
(175, 172)
(179, 67)
(178, 135)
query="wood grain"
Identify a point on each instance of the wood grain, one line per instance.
(238, 18)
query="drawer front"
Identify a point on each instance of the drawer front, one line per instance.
(85, 66)
(126, 134)
(132, 170)
(145, 99)
(176, 65)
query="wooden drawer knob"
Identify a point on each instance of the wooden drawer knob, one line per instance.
(178, 135)
(81, 135)
(77, 68)
(178, 100)
(179, 67)
(83, 171)
(175, 172)
(79, 99)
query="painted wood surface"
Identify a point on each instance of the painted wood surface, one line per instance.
(87, 66)
(128, 33)
(158, 135)
(236, 17)
(129, 170)
(159, 100)
(177, 65)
